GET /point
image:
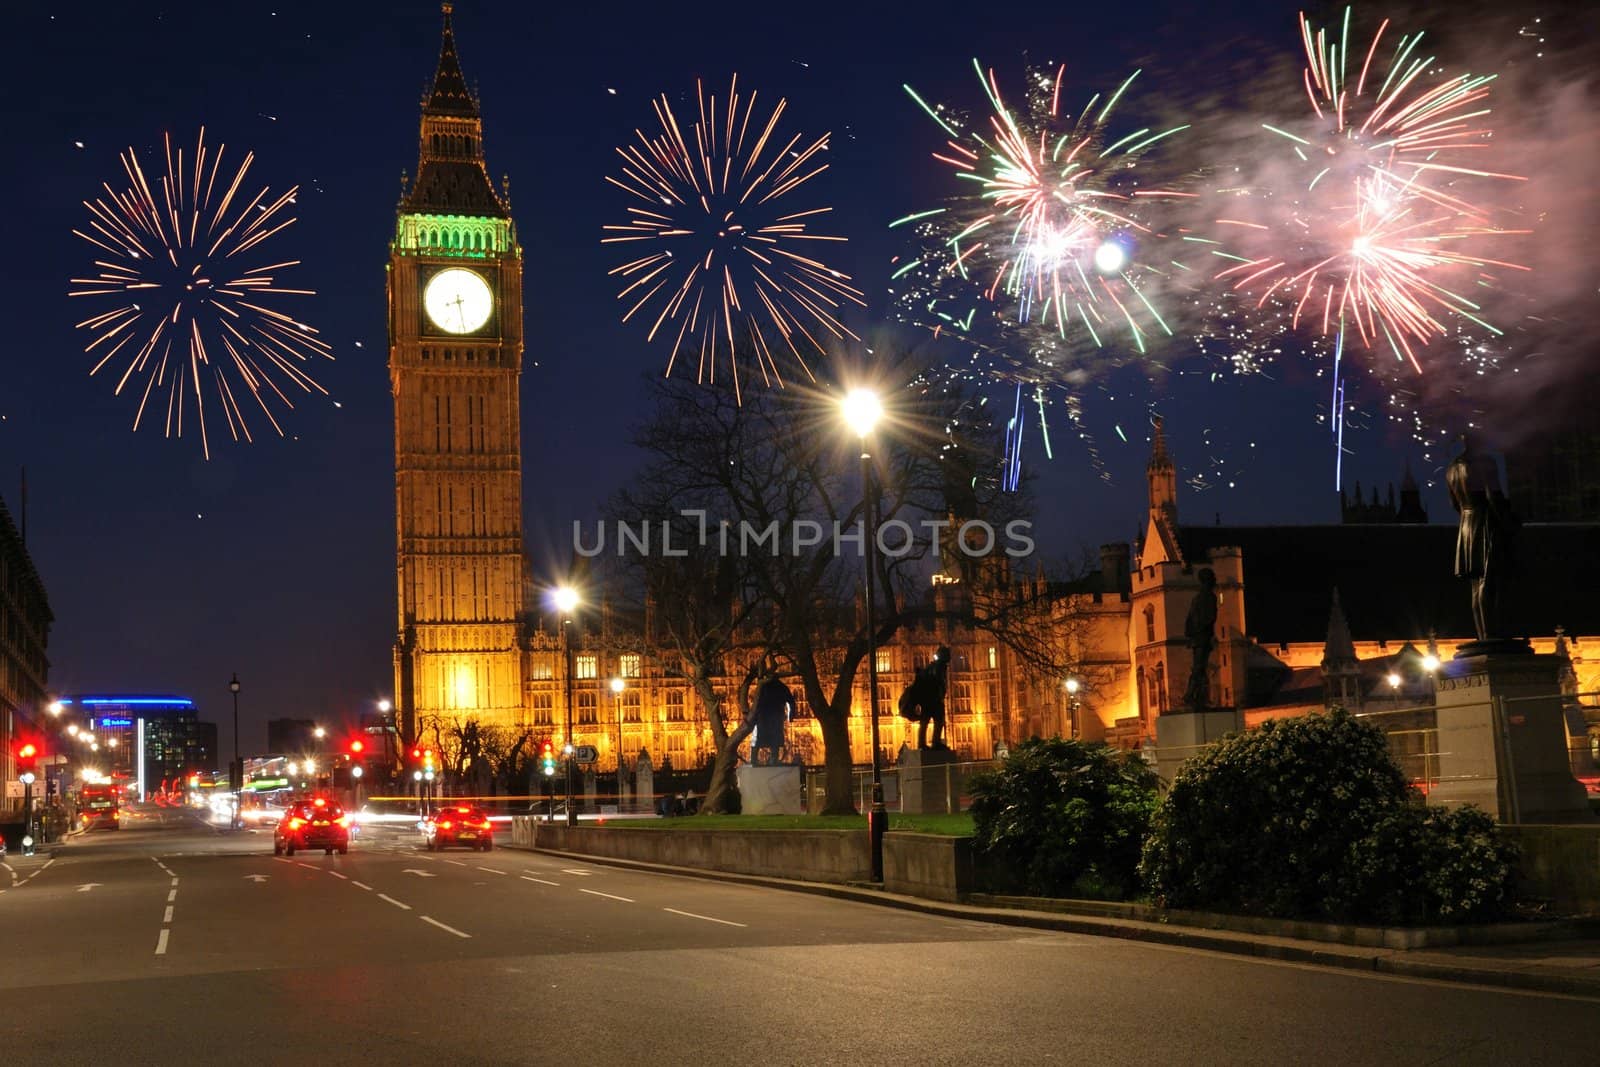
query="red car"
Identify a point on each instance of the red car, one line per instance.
(318, 823)
(458, 825)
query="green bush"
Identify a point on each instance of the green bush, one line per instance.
(1061, 818)
(1311, 818)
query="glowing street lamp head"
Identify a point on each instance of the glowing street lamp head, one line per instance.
(617, 685)
(565, 598)
(72, 729)
(1393, 680)
(862, 410)
(319, 733)
(384, 706)
(1430, 663)
(1073, 685)
(55, 707)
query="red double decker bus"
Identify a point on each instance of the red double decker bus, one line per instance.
(98, 807)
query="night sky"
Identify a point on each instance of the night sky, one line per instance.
(167, 573)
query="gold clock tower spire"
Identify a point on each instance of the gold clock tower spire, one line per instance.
(455, 360)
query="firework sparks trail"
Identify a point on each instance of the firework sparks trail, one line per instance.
(720, 255)
(1372, 229)
(193, 310)
(1047, 232)
(1039, 261)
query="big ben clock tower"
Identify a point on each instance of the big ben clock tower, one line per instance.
(455, 358)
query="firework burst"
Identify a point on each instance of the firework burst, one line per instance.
(720, 258)
(1045, 243)
(193, 314)
(1372, 227)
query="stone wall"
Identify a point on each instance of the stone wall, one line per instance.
(838, 856)
(927, 865)
(1560, 864)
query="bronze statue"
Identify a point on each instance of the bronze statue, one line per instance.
(923, 700)
(1201, 630)
(774, 705)
(1484, 536)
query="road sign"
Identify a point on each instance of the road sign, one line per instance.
(585, 754)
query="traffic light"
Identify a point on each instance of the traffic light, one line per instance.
(547, 758)
(27, 758)
(356, 748)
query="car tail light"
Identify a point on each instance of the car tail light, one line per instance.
(344, 821)
(484, 825)
(295, 824)
(446, 823)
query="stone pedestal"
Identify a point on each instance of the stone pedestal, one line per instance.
(930, 783)
(774, 789)
(1501, 740)
(1181, 735)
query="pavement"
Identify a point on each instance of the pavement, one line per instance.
(169, 940)
(1567, 965)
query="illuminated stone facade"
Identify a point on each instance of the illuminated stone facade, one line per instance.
(24, 633)
(460, 560)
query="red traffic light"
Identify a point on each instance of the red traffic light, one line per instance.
(29, 750)
(357, 746)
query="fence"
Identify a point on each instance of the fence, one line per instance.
(956, 777)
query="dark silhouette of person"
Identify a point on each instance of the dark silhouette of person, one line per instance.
(1201, 630)
(923, 700)
(773, 708)
(1484, 535)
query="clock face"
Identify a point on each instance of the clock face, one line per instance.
(457, 300)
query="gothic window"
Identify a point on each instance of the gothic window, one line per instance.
(994, 660)
(586, 666)
(885, 661)
(630, 705)
(1149, 623)
(586, 709)
(543, 709)
(628, 665)
(1144, 704)
(675, 705)
(1161, 688)
(543, 668)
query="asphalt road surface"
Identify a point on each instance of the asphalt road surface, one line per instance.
(169, 942)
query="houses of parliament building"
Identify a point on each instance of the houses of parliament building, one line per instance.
(1309, 616)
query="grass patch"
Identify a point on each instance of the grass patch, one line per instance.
(951, 825)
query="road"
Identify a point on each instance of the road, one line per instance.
(168, 941)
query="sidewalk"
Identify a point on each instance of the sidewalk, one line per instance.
(1570, 966)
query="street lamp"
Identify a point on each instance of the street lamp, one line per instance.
(862, 410)
(566, 601)
(238, 768)
(1072, 686)
(384, 706)
(319, 733)
(617, 686)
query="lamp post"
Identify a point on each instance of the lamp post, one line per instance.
(617, 686)
(238, 768)
(566, 601)
(862, 411)
(1072, 687)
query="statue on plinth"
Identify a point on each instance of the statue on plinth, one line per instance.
(774, 706)
(923, 700)
(1201, 630)
(1484, 537)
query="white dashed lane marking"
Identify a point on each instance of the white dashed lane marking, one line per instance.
(609, 896)
(541, 881)
(396, 903)
(707, 918)
(161, 942)
(491, 870)
(442, 926)
(361, 885)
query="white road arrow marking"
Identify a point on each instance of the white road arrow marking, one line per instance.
(85, 887)
(257, 878)
(419, 874)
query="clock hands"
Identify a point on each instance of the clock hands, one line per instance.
(461, 314)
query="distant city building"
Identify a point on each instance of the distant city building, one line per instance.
(1353, 510)
(291, 737)
(1555, 476)
(25, 620)
(150, 739)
